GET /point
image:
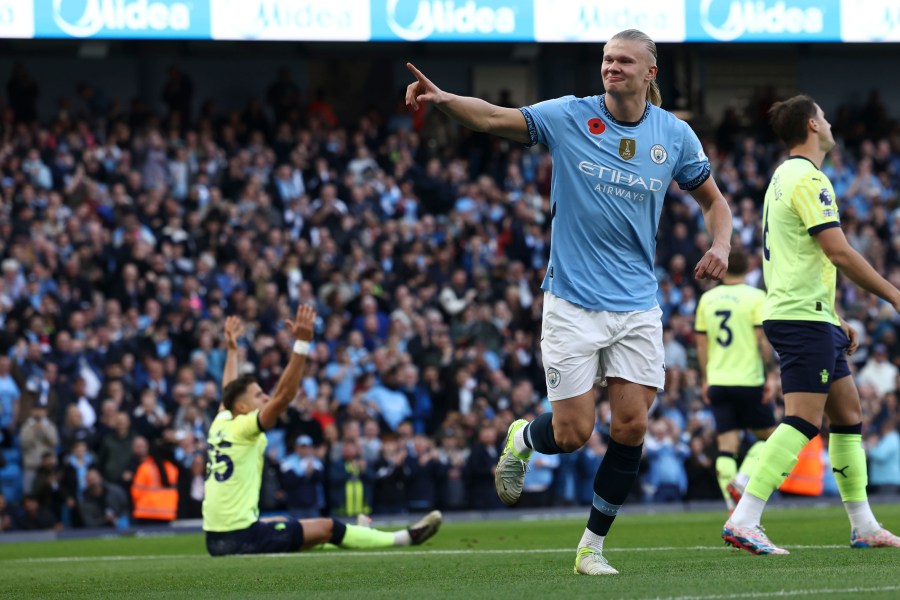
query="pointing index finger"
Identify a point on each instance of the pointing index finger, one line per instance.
(416, 72)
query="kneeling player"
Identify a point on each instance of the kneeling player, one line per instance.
(236, 445)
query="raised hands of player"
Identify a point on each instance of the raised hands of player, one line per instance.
(302, 326)
(421, 90)
(713, 264)
(234, 329)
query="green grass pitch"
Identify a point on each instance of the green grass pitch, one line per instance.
(659, 556)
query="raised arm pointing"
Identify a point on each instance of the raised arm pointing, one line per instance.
(473, 113)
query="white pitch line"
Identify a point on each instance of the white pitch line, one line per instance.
(398, 552)
(783, 593)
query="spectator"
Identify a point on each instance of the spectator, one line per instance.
(879, 372)
(538, 480)
(391, 475)
(37, 437)
(884, 460)
(9, 400)
(115, 450)
(149, 417)
(666, 479)
(74, 473)
(453, 455)
(480, 470)
(32, 516)
(388, 400)
(425, 475)
(6, 515)
(73, 430)
(104, 504)
(191, 488)
(48, 488)
(302, 476)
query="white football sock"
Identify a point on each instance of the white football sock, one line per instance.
(402, 538)
(591, 540)
(519, 440)
(861, 517)
(748, 511)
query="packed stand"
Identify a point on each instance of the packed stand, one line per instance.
(128, 234)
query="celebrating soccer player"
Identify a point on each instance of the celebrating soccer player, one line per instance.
(614, 156)
(237, 441)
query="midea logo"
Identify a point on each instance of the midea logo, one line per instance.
(444, 16)
(136, 15)
(256, 17)
(757, 17)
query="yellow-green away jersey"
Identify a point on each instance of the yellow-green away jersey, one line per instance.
(729, 316)
(234, 467)
(800, 280)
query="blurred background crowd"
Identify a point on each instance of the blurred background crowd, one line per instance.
(128, 231)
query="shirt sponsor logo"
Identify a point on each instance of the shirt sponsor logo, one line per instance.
(628, 186)
(621, 178)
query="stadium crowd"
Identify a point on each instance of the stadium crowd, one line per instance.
(128, 233)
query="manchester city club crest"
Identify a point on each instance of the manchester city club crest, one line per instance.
(658, 154)
(627, 148)
(553, 377)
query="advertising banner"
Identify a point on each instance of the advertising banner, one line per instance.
(122, 19)
(763, 21)
(598, 20)
(452, 20)
(870, 21)
(16, 19)
(311, 20)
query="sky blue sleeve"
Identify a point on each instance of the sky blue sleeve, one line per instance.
(542, 117)
(693, 165)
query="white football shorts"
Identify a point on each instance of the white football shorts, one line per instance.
(581, 347)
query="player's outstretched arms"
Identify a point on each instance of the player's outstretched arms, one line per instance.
(234, 329)
(473, 113)
(286, 388)
(851, 263)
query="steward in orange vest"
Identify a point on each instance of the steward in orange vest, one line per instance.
(807, 477)
(154, 490)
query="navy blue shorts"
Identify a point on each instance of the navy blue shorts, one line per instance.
(259, 538)
(739, 407)
(813, 354)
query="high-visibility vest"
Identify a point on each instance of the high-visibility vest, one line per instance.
(151, 499)
(807, 477)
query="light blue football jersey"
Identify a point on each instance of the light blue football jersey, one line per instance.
(607, 188)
